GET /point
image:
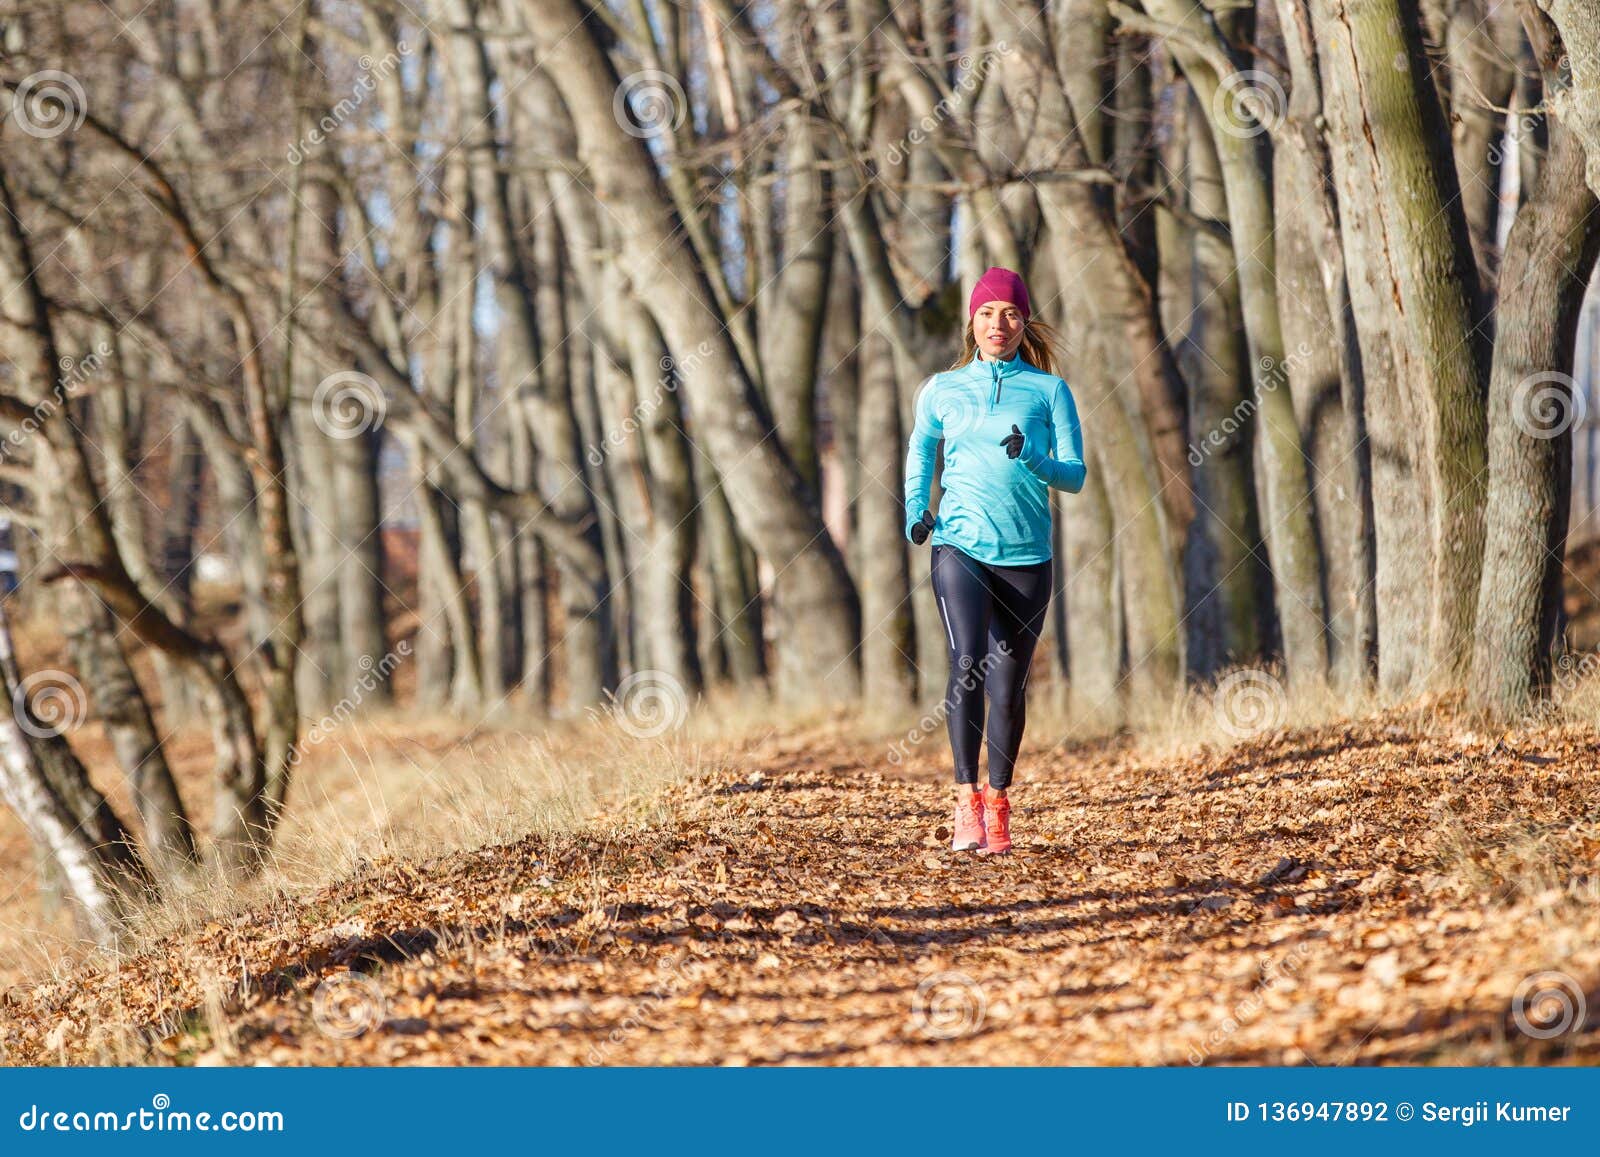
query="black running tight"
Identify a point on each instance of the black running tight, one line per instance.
(992, 619)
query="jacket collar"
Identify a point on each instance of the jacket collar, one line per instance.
(1006, 368)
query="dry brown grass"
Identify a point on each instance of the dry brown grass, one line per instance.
(400, 788)
(1402, 882)
(399, 784)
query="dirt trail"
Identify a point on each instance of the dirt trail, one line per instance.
(1356, 894)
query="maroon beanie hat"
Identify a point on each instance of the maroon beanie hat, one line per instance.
(998, 284)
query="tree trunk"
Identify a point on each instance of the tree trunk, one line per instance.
(1324, 358)
(738, 630)
(440, 553)
(615, 456)
(92, 637)
(431, 646)
(359, 568)
(1148, 585)
(1244, 157)
(1550, 255)
(478, 537)
(174, 571)
(323, 671)
(798, 301)
(1090, 592)
(90, 868)
(242, 814)
(1222, 575)
(97, 646)
(819, 617)
(1406, 185)
(886, 649)
(538, 389)
(666, 585)
(1574, 94)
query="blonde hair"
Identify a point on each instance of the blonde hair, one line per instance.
(1039, 348)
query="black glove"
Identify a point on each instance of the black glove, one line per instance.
(1012, 442)
(919, 530)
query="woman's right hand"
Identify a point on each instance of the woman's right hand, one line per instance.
(918, 531)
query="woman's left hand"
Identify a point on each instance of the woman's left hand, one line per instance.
(1013, 442)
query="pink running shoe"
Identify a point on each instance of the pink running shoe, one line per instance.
(969, 823)
(997, 826)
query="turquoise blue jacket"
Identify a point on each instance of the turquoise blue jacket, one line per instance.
(995, 508)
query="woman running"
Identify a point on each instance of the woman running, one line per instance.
(1010, 432)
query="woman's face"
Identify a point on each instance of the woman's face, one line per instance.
(997, 326)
